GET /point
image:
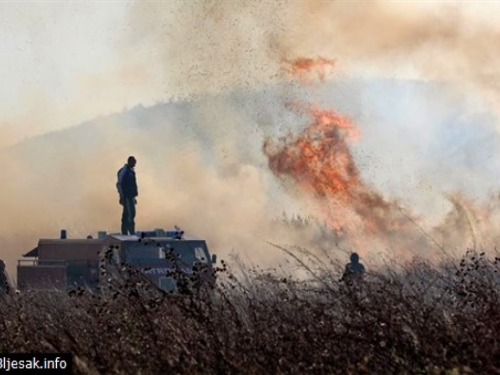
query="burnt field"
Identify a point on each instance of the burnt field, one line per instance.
(406, 318)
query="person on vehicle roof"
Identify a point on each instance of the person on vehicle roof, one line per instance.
(353, 270)
(127, 189)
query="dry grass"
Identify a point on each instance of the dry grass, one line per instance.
(420, 319)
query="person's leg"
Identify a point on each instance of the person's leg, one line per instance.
(124, 217)
(132, 216)
(128, 216)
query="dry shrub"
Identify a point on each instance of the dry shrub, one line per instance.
(418, 318)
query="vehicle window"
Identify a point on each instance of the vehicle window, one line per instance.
(189, 254)
(144, 252)
(185, 255)
(199, 254)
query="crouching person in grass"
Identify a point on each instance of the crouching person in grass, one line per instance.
(354, 271)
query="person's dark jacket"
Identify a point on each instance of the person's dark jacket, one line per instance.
(127, 184)
(354, 270)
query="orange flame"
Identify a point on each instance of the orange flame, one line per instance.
(320, 163)
(302, 67)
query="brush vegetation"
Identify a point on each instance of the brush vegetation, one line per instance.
(411, 318)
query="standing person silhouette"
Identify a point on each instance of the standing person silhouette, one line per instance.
(127, 189)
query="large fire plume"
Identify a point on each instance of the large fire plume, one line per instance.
(320, 164)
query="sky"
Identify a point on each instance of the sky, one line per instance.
(57, 59)
(65, 62)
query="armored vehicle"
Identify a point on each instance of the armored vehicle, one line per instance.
(162, 257)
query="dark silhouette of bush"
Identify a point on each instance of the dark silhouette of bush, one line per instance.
(417, 318)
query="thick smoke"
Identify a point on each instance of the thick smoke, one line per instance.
(450, 42)
(187, 177)
(201, 164)
(203, 46)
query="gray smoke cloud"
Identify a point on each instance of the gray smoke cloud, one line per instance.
(203, 46)
(225, 67)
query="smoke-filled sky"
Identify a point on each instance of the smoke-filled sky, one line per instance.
(420, 79)
(67, 62)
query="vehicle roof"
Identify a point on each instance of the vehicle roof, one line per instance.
(134, 238)
(95, 241)
(48, 241)
(64, 246)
